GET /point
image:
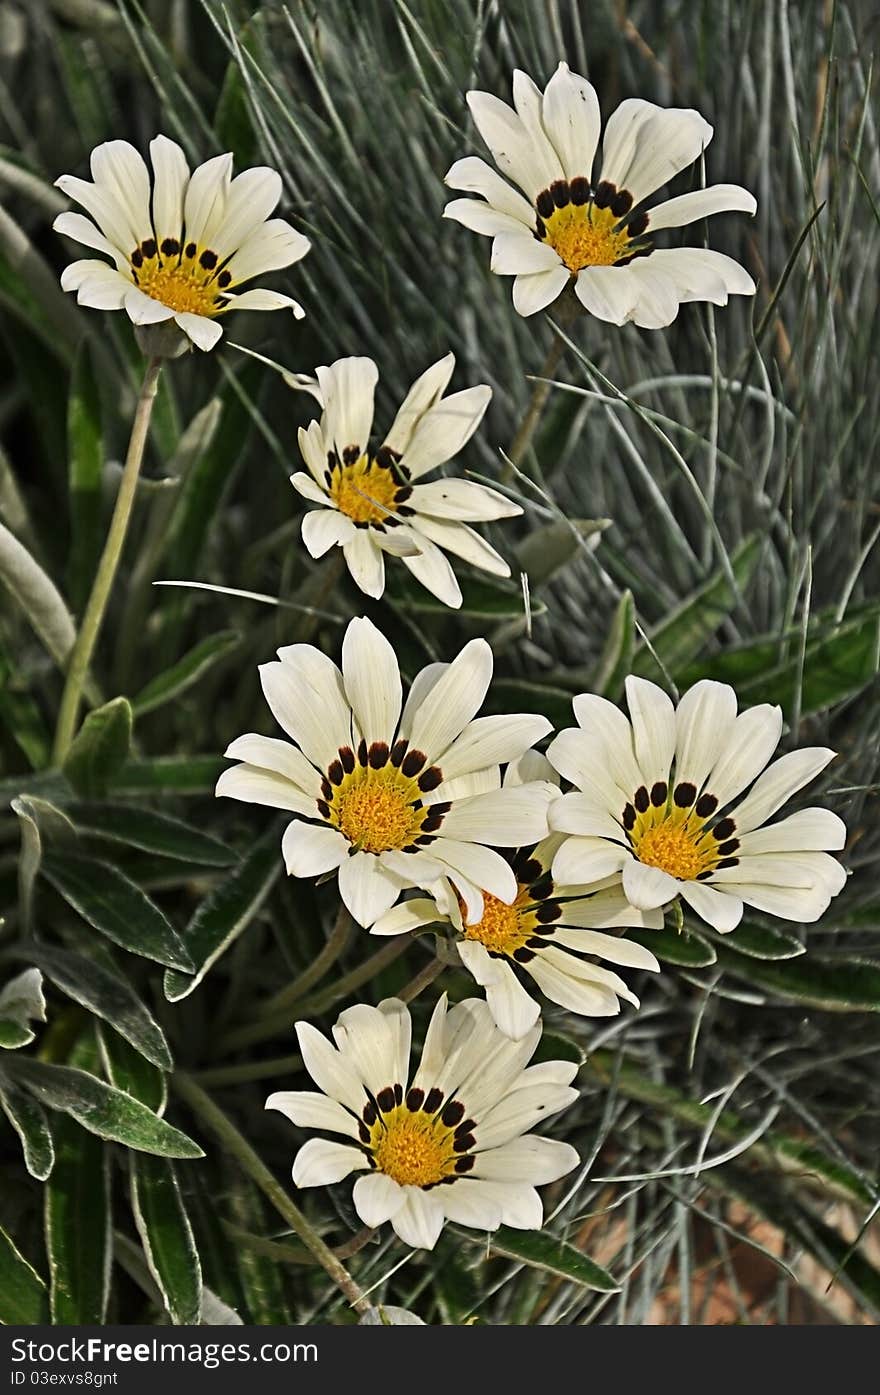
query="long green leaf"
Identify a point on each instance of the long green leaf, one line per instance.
(131, 1072)
(837, 985)
(107, 996)
(78, 1227)
(554, 1256)
(102, 1109)
(100, 748)
(85, 462)
(167, 686)
(168, 775)
(685, 950)
(28, 1118)
(115, 906)
(24, 1301)
(226, 912)
(150, 832)
(166, 1236)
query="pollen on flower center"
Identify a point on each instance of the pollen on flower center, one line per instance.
(672, 847)
(375, 815)
(503, 929)
(376, 798)
(365, 490)
(583, 228)
(183, 278)
(412, 1150)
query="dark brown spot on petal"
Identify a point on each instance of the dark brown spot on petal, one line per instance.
(685, 794)
(604, 194)
(170, 247)
(323, 808)
(385, 1099)
(462, 1144)
(149, 248)
(190, 249)
(378, 754)
(433, 1100)
(706, 805)
(351, 455)
(731, 846)
(369, 1115)
(346, 755)
(550, 911)
(453, 1114)
(522, 956)
(412, 763)
(415, 1099)
(580, 190)
(621, 203)
(362, 751)
(464, 1164)
(727, 862)
(629, 817)
(642, 799)
(659, 792)
(335, 774)
(636, 226)
(561, 192)
(137, 257)
(430, 778)
(723, 829)
(224, 278)
(208, 259)
(544, 203)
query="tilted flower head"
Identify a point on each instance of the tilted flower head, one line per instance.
(395, 795)
(372, 502)
(661, 800)
(452, 1145)
(180, 248)
(545, 932)
(563, 226)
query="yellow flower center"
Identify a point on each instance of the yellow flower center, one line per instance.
(413, 1148)
(185, 278)
(365, 490)
(503, 929)
(377, 798)
(584, 235)
(673, 829)
(673, 848)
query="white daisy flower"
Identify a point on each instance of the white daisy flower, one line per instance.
(660, 800)
(372, 502)
(180, 248)
(544, 932)
(452, 1145)
(394, 795)
(564, 227)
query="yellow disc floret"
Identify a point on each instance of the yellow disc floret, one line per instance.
(672, 847)
(416, 1150)
(185, 279)
(365, 490)
(503, 929)
(584, 235)
(376, 812)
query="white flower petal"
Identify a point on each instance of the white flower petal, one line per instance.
(474, 176)
(466, 1203)
(482, 218)
(514, 1011)
(809, 830)
(453, 701)
(570, 111)
(376, 1040)
(119, 170)
(272, 246)
(657, 299)
(490, 741)
(520, 254)
(435, 573)
(610, 947)
(653, 720)
(205, 200)
(420, 1220)
(518, 1111)
(506, 818)
(745, 751)
(348, 388)
(320, 1163)
(463, 500)
(279, 757)
(647, 887)
(106, 208)
(377, 1198)
(143, 310)
(586, 997)
(585, 816)
(259, 299)
(532, 166)
(371, 679)
(530, 1159)
(536, 292)
(310, 1110)
(325, 528)
(332, 1072)
(82, 229)
(251, 198)
(720, 910)
(409, 915)
(610, 293)
(483, 867)
(170, 178)
(445, 429)
(203, 332)
(310, 849)
(306, 695)
(365, 561)
(253, 785)
(315, 493)
(701, 203)
(704, 715)
(779, 782)
(461, 541)
(424, 394)
(586, 859)
(702, 274)
(366, 887)
(646, 145)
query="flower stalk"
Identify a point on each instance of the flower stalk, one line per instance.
(226, 1132)
(93, 618)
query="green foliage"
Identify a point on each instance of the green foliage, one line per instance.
(698, 502)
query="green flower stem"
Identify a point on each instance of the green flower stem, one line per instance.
(227, 1134)
(565, 310)
(335, 946)
(84, 648)
(278, 1022)
(248, 1071)
(423, 978)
